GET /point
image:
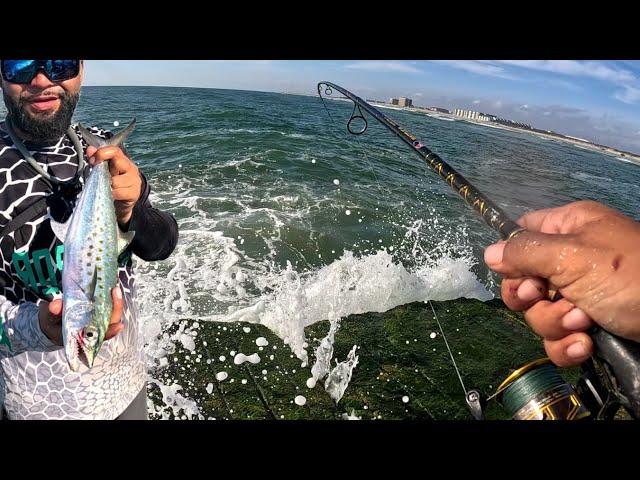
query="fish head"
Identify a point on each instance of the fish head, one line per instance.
(92, 341)
(82, 335)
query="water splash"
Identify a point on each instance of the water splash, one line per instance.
(323, 354)
(340, 376)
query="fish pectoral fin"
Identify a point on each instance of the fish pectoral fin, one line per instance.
(91, 287)
(124, 239)
(88, 289)
(60, 229)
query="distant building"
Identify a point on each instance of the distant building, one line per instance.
(474, 115)
(405, 102)
(393, 101)
(438, 109)
(511, 123)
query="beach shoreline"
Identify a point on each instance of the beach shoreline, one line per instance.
(619, 155)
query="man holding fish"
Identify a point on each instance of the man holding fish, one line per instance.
(53, 362)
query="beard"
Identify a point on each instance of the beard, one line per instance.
(44, 126)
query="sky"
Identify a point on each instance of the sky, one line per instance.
(595, 100)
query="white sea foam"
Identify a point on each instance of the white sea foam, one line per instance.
(210, 277)
(339, 378)
(240, 358)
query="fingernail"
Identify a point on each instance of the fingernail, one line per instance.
(575, 319)
(577, 350)
(493, 254)
(118, 293)
(92, 160)
(529, 290)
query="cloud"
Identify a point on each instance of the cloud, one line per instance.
(628, 94)
(476, 102)
(377, 66)
(604, 129)
(626, 80)
(597, 70)
(562, 84)
(479, 67)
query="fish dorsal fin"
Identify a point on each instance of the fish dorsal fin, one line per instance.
(98, 142)
(60, 229)
(124, 239)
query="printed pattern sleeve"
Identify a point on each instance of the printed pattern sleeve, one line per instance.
(20, 329)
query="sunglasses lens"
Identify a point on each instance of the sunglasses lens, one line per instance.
(23, 71)
(19, 71)
(58, 70)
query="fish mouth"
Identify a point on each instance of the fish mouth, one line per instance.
(77, 351)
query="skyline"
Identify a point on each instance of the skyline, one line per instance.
(595, 100)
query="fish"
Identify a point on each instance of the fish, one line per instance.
(93, 242)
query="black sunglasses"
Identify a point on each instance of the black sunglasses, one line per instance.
(23, 71)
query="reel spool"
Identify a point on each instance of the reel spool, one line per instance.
(536, 391)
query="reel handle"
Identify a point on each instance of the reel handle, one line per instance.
(618, 361)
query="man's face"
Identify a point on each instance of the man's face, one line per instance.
(42, 109)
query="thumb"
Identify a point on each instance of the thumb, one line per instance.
(55, 307)
(529, 254)
(90, 151)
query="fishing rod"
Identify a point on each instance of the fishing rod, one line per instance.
(610, 378)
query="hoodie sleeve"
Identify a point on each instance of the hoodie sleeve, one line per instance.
(156, 232)
(20, 329)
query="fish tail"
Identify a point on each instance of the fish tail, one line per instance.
(116, 140)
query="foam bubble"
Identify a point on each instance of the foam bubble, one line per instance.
(240, 358)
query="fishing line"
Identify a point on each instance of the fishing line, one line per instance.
(455, 365)
(531, 385)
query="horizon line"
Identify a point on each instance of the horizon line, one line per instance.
(310, 95)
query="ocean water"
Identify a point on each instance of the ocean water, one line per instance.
(286, 219)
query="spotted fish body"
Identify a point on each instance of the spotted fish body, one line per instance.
(92, 244)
